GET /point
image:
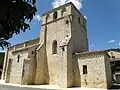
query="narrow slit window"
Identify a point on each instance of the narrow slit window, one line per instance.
(18, 58)
(63, 49)
(79, 19)
(84, 69)
(54, 47)
(32, 52)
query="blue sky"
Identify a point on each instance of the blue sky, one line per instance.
(103, 23)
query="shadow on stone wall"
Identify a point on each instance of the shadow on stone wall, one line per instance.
(115, 86)
(76, 73)
(46, 70)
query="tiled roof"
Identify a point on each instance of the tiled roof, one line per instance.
(99, 51)
(94, 52)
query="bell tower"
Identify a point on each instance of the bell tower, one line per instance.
(63, 32)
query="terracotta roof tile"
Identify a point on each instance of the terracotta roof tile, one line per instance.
(93, 52)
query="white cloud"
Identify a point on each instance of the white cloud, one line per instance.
(111, 41)
(86, 17)
(37, 17)
(92, 45)
(119, 43)
(57, 3)
(2, 51)
(77, 3)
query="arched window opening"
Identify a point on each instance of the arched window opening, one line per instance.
(62, 12)
(55, 15)
(47, 17)
(54, 47)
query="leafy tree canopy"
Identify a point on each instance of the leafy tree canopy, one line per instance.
(2, 54)
(115, 66)
(13, 17)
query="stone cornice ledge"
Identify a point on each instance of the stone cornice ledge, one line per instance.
(25, 48)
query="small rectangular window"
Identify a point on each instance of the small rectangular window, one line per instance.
(84, 69)
(79, 19)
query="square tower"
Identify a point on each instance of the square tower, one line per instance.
(63, 33)
(69, 21)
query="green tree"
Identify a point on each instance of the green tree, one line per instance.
(2, 54)
(14, 17)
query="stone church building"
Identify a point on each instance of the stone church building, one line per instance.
(60, 56)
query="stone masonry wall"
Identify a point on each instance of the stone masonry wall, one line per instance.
(16, 71)
(108, 71)
(16, 67)
(79, 32)
(96, 73)
(58, 62)
(41, 77)
(58, 29)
